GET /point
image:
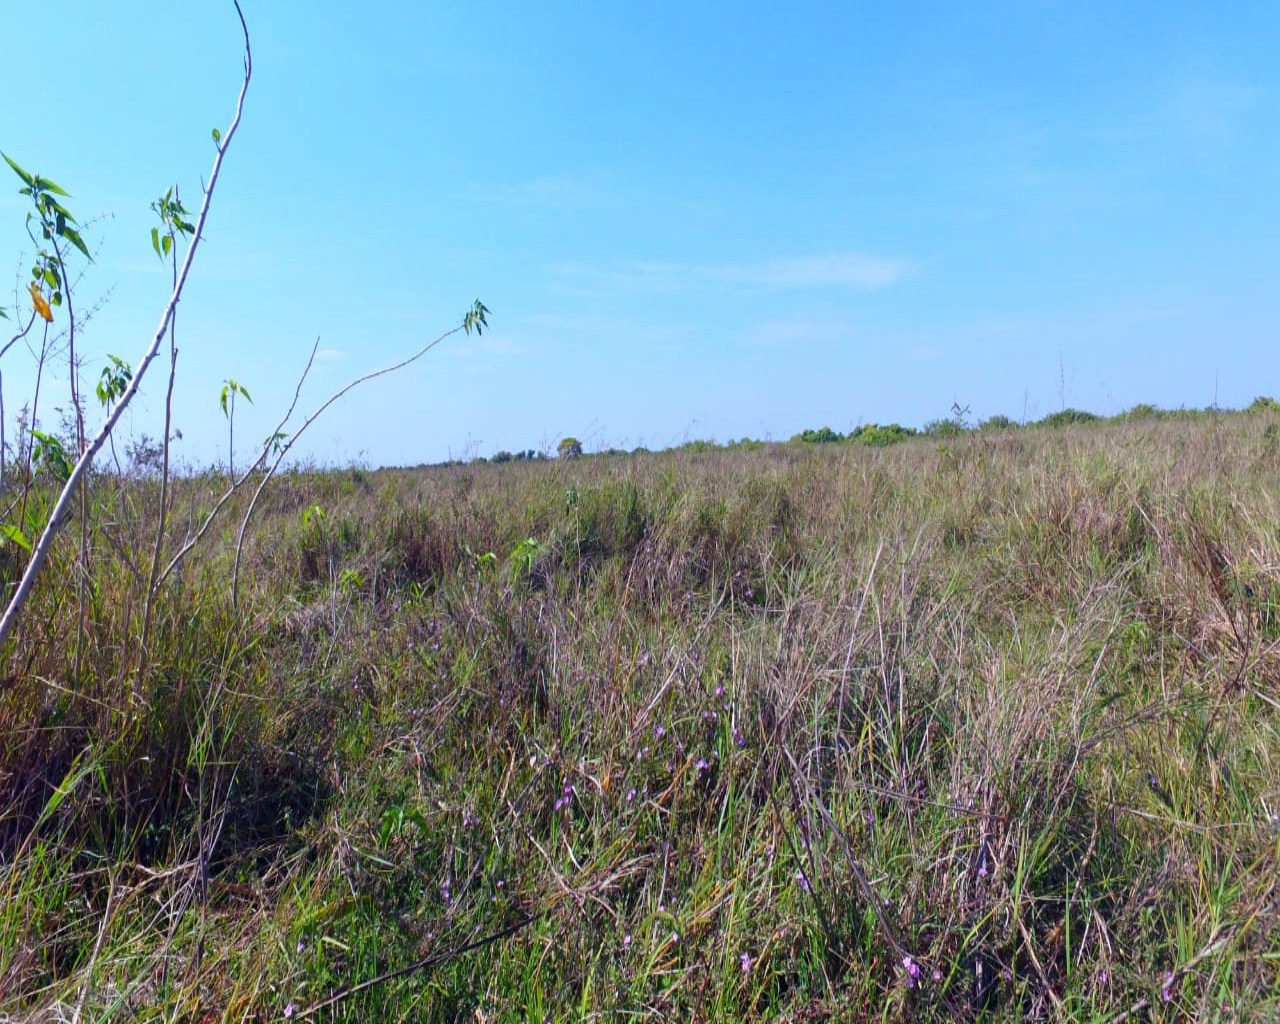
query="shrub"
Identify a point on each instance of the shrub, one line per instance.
(823, 435)
(943, 428)
(1066, 417)
(880, 436)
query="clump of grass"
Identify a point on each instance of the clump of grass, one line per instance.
(974, 728)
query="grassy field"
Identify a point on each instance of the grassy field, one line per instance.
(982, 728)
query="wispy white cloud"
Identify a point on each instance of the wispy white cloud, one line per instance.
(838, 270)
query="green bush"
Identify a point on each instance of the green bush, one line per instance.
(880, 436)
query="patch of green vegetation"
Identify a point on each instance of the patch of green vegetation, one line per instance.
(974, 730)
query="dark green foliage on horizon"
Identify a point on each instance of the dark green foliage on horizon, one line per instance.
(824, 435)
(1067, 417)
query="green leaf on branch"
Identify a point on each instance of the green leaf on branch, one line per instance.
(20, 172)
(13, 535)
(217, 137)
(73, 236)
(114, 380)
(230, 389)
(477, 318)
(51, 455)
(45, 185)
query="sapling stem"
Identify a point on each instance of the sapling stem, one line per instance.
(40, 554)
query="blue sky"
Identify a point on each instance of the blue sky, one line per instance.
(688, 220)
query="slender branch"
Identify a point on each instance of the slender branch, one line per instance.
(194, 539)
(425, 962)
(284, 450)
(41, 553)
(163, 516)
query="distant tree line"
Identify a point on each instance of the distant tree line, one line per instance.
(879, 435)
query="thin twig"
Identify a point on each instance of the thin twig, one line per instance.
(426, 962)
(41, 553)
(97, 950)
(284, 449)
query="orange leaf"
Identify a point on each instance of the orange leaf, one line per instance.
(38, 300)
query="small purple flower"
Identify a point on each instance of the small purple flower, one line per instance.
(937, 974)
(802, 880)
(1166, 990)
(1102, 976)
(631, 794)
(566, 799)
(913, 971)
(719, 691)
(738, 738)
(982, 870)
(288, 1010)
(626, 940)
(745, 960)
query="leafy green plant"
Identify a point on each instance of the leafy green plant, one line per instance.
(51, 456)
(523, 557)
(113, 381)
(231, 389)
(824, 435)
(53, 224)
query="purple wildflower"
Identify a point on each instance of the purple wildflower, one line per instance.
(566, 799)
(913, 971)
